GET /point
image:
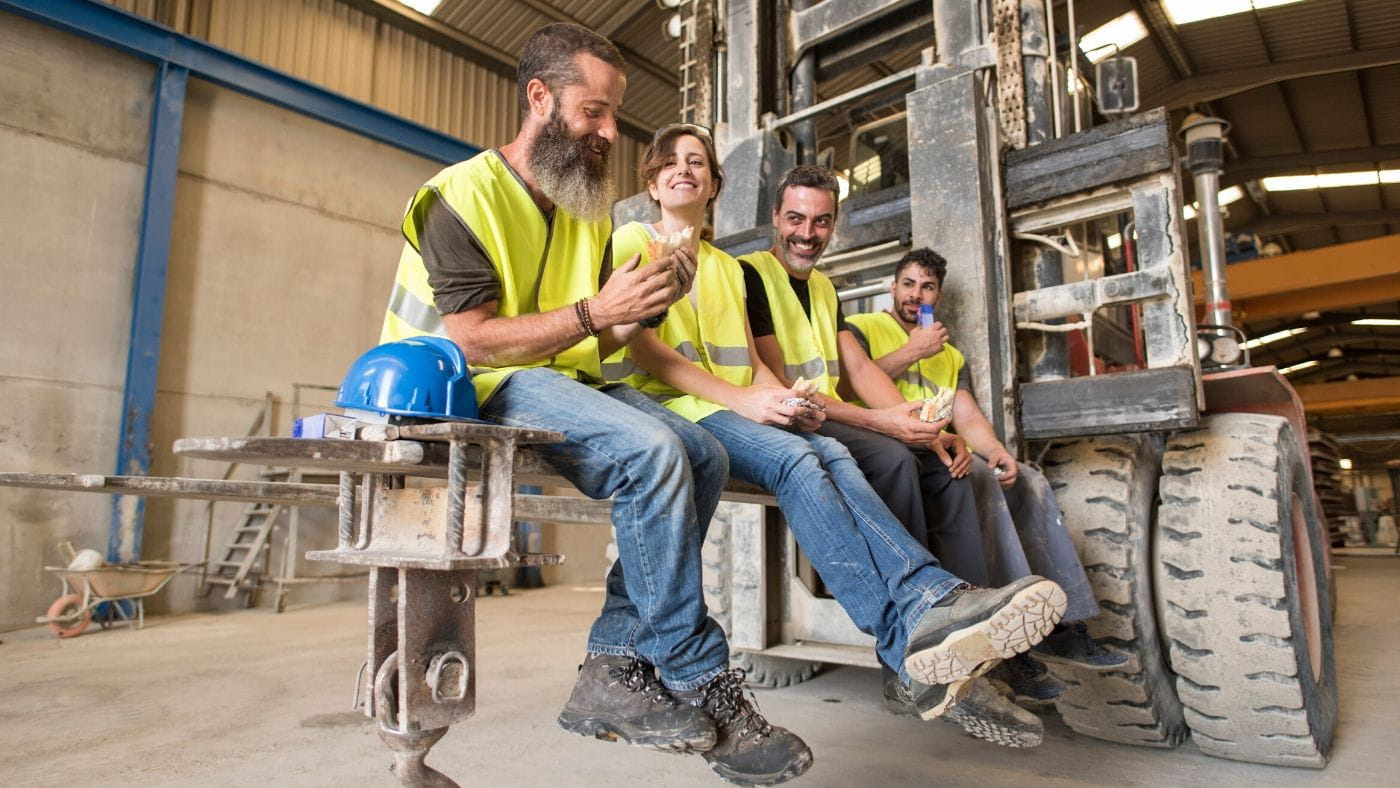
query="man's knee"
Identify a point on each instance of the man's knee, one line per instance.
(893, 461)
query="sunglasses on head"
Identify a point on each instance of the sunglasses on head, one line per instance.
(691, 128)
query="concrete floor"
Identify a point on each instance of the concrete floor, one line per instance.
(253, 698)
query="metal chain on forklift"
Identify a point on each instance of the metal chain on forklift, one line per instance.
(1011, 89)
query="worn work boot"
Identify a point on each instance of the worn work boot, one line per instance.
(974, 626)
(988, 715)
(620, 698)
(1070, 644)
(917, 699)
(750, 751)
(1028, 679)
(980, 710)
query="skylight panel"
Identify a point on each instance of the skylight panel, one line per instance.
(1116, 34)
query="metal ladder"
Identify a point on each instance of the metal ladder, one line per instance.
(245, 561)
(251, 538)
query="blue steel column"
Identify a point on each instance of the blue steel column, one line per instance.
(148, 306)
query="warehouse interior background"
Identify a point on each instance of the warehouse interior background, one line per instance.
(285, 228)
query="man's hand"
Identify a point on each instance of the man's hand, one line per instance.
(928, 341)
(902, 423)
(953, 451)
(633, 293)
(1001, 458)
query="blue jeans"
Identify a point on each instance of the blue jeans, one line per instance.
(665, 476)
(884, 579)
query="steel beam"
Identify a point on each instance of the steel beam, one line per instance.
(1333, 277)
(1280, 223)
(827, 20)
(1251, 167)
(148, 306)
(144, 39)
(1208, 87)
(1368, 395)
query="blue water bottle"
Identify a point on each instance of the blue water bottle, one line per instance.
(925, 315)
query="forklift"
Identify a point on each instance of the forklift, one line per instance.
(1181, 470)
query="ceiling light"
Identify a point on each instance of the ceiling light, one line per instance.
(1335, 352)
(1344, 463)
(1376, 321)
(1298, 367)
(1224, 197)
(1330, 180)
(425, 7)
(1311, 315)
(1113, 36)
(1184, 11)
(672, 27)
(1274, 337)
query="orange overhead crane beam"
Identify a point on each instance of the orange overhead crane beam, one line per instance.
(1332, 277)
(1368, 395)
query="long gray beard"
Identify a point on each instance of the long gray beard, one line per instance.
(568, 177)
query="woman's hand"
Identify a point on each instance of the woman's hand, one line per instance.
(768, 405)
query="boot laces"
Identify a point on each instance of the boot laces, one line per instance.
(731, 704)
(639, 676)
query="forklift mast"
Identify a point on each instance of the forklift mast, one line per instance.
(962, 158)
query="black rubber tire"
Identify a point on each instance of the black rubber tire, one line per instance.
(1106, 488)
(763, 672)
(1233, 609)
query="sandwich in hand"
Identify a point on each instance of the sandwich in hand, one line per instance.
(939, 406)
(663, 246)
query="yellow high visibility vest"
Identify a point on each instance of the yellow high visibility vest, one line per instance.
(809, 344)
(708, 331)
(924, 377)
(542, 265)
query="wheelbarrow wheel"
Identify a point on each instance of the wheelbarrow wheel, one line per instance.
(64, 619)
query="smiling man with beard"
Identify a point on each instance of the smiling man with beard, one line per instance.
(508, 255)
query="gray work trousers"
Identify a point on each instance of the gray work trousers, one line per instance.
(1024, 533)
(977, 531)
(935, 508)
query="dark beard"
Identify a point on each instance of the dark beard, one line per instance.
(568, 172)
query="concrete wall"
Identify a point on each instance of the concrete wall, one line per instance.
(283, 250)
(286, 237)
(73, 128)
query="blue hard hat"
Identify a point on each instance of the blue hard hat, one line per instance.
(426, 377)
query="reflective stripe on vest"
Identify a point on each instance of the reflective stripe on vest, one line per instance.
(707, 322)
(808, 342)
(414, 312)
(541, 264)
(921, 379)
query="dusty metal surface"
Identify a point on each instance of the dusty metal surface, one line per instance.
(291, 494)
(425, 545)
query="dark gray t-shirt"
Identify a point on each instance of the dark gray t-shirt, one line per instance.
(459, 270)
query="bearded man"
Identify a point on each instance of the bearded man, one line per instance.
(508, 255)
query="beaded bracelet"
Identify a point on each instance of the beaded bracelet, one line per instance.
(584, 318)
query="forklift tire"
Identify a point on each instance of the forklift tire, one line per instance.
(1243, 589)
(765, 672)
(1106, 487)
(66, 608)
(761, 671)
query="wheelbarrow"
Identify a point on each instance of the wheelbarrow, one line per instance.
(85, 589)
